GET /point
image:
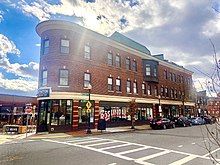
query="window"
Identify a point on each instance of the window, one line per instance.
(149, 89)
(166, 92)
(135, 89)
(118, 61)
(144, 88)
(182, 79)
(170, 76)
(165, 74)
(87, 52)
(128, 86)
(155, 71)
(178, 79)
(135, 66)
(64, 76)
(46, 45)
(64, 46)
(171, 93)
(87, 79)
(175, 94)
(148, 70)
(44, 78)
(174, 77)
(162, 91)
(110, 83)
(61, 112)
(110, 59)
(118, 85)
(155, 90)
(128, 64)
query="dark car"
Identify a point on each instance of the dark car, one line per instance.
(183, 122)
(197, 121)
(162, 123)
(209, 119)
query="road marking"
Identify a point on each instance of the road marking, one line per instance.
(180, 146)
(121, 155)
(99, 144)
(92, 140)
(111, 147)
(134, 150)
(184, 160)
(112, 164)
(193, 143)
(211, 152)
(81, 140)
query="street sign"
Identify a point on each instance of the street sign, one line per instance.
(88, 105)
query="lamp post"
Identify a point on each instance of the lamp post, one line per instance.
(159, 107)
(88, 105)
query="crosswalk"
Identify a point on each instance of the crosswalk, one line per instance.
(138, 153)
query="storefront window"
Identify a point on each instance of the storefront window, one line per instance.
(61, 112)
(83, 114)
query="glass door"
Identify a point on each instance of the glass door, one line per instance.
(43, 117)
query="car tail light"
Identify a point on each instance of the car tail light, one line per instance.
(159, 122)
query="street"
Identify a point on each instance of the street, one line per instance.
(185, 145)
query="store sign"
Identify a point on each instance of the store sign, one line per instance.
(44, 92)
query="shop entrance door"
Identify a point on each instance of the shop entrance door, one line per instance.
(43, 117)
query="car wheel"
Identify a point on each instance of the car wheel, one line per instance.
(174, 125)
(184, 124)
(190, 124)
(164, 127)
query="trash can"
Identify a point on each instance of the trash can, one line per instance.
(101, 124)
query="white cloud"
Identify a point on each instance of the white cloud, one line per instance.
(38, 45)
(17, 84)
(23, 70)
(1, 16)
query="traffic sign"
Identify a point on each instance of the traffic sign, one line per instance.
(88, 105)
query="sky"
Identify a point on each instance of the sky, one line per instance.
(182, 30)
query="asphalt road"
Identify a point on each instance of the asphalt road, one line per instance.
(171, 146)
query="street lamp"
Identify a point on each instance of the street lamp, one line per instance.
(88, 105)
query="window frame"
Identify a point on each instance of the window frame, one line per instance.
(110, 60)
(148, 69)
(44, 78)
(45, 49)
(128, 63)
(143, 87)
(118, 87)
(110, 86)
(64, 47)
(128, 86)
(87, 53)
(135, 65)
(135, 87)
(118, 62)
(85, 81)
(63, 77)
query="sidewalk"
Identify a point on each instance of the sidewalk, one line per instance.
(82, 133)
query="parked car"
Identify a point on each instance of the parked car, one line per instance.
(183, 122)
(162, 123)
(209, 119)
(197, 121)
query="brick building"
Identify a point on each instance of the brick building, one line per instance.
(213, 106)
(118, 69)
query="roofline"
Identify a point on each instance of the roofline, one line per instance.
(61, 24)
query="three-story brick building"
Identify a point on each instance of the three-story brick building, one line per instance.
(118, 69)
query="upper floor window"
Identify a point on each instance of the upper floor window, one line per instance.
(165, 74)
(162, 91)
(87, 79)
(64, 77)
(144, 88)
(128, 64)
(128, 85)
(135, 89)
(46, 45)
(166, 92)
(155, 71)
(64, 46)
(171, 76)
(149, 90)
(87, 52)
(110, 59)
(110, 83)
(148, 70)
(171, 93)
(135, 65)
(175, 93)
(182, 79)
(118, 85)
(178, 79)
(118, 61)
(44, 78)
(174, 77)
(155, 90)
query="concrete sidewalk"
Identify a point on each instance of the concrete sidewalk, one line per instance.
(82, 133)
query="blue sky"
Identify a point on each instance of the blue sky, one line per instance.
(179, 29)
